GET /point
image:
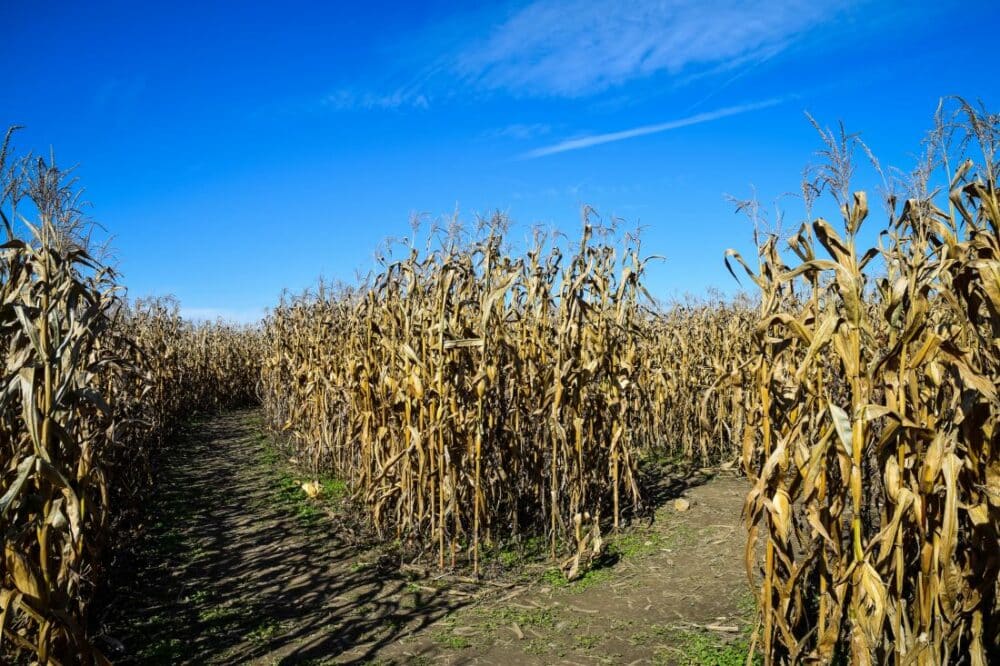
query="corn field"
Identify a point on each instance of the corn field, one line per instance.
(872, 440)
(474, 393)
(695, 353)
(91, 387)
(466, 377)
(471, 394)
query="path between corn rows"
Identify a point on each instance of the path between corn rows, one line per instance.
(236, 568)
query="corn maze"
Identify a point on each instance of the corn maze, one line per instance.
(472, 393)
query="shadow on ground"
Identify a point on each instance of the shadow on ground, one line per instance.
(229, 572)
(662, 481)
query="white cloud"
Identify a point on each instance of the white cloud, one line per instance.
(697, 119)
(578, 47)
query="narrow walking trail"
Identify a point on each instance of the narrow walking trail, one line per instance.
(239, 566)
(234, 570)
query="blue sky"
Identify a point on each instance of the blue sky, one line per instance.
(236, 149)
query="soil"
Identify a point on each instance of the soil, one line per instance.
(238, 565)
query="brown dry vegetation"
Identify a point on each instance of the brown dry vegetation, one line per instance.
(875, 483)
(90, 387)
(474, 396)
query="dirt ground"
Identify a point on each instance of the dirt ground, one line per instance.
(238, 565)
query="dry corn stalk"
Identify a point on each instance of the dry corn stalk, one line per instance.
(875, 397)
(88, 387)
(469, 394)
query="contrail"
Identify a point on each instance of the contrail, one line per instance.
(597, 139)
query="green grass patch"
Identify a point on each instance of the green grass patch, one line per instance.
(516, 553)
(695, 647)
(678, 535)
(588, 579)
(505, 616)
(635, 544)
(219, 615)
(166, 651)
(287, 486)
(450, 640)
(704, 648)
(265, 632)
(333, 489)
(199, 597)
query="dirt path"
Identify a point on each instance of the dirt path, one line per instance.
(240, 567)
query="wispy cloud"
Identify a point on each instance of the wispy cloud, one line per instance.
(578, 47)
(597, 139)
(581, 48)
(518, 131)
(350, 100)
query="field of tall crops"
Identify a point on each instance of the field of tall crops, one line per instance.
(93, 385)
(474, 392)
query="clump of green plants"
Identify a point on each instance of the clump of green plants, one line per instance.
(703, 648)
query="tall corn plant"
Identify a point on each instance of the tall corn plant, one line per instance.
(694, 353)
(875, 398)
(89, 388)
(55, 305)
(470, 394)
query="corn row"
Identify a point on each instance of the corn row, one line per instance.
(876, 477)
(468, 394)
(89, 388)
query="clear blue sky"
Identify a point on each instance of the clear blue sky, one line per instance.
(235, 149)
